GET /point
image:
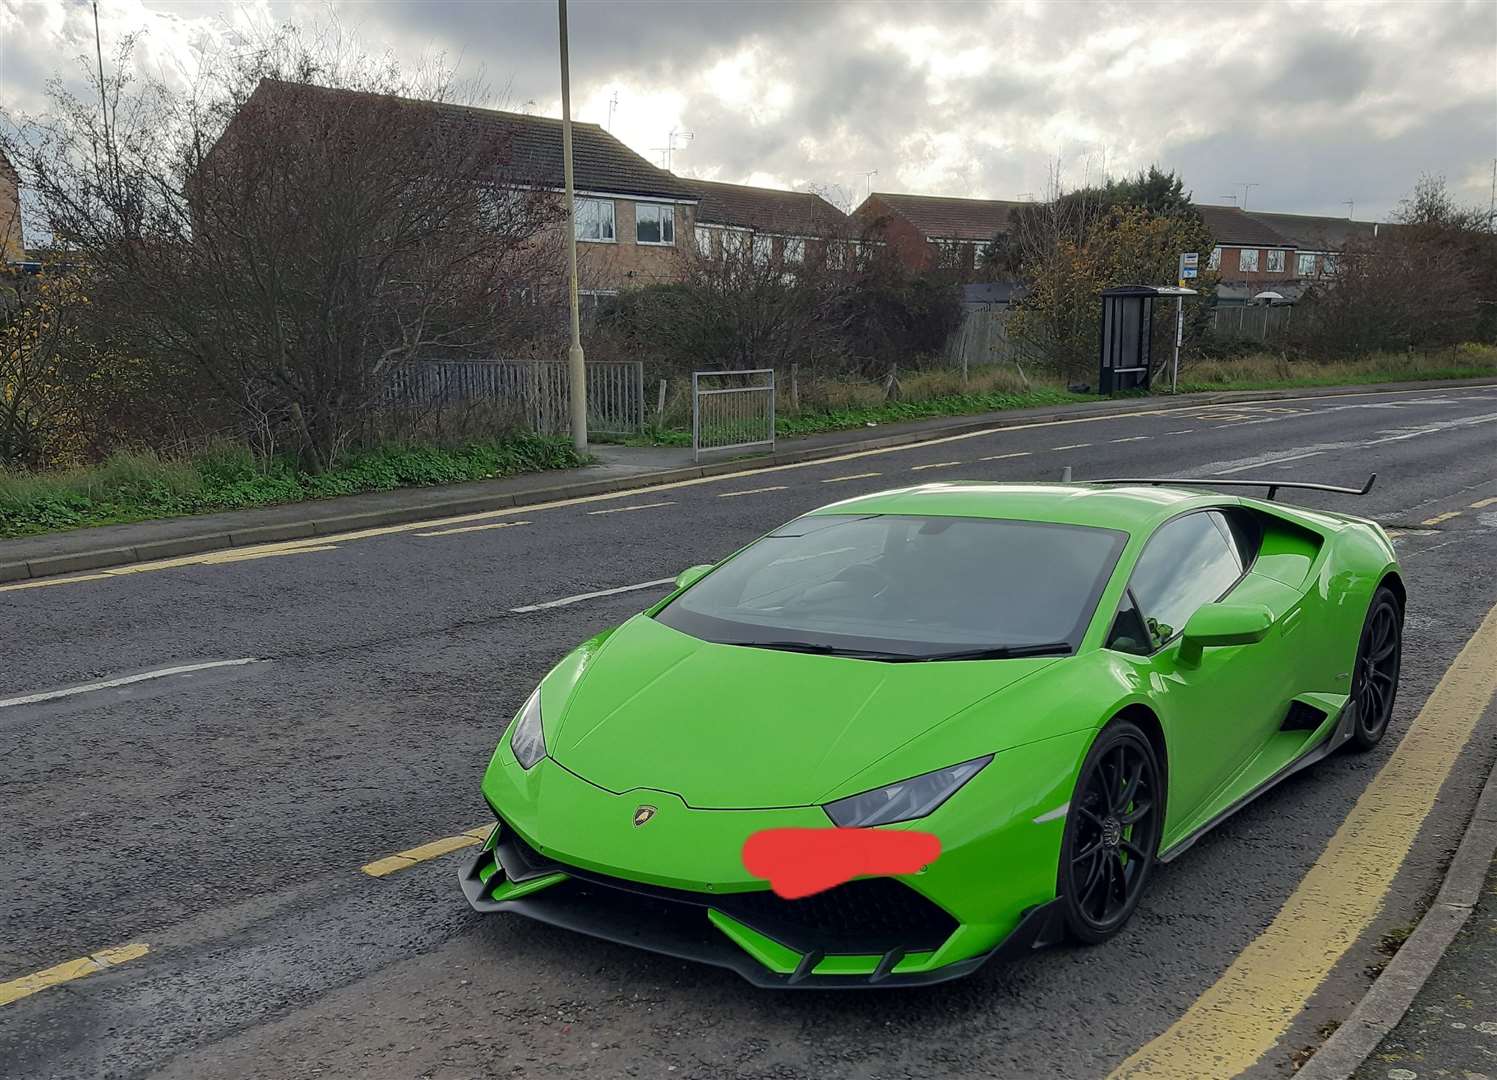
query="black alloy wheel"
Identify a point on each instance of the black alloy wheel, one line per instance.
(1374, 680)
(1112, 833)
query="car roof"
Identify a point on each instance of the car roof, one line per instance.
(1130, 508)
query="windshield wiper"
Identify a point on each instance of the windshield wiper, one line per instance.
(816, 648)
(1002, 652)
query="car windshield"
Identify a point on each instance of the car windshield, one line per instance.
(903, 587)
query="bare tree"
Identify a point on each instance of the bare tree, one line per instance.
(293, 226)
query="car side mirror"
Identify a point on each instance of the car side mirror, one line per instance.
(1215, 625)
(691, 575)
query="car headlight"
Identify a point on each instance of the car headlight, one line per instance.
(904, 801)
(528, 740)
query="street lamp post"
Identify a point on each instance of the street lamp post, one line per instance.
(576, 364)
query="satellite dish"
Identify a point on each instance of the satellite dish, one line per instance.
(1269, 297)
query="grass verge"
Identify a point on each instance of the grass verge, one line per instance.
(141, 487)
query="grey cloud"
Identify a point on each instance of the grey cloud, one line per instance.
(1308, 105)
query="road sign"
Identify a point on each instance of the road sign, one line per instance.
(1189, 266)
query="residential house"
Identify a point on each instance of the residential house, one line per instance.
(634, 220)
(1318, 241)
(11, 247)
(1248, 252)
(1258, 251)
(779, 227)
(927, 231)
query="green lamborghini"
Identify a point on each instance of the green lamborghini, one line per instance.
(1056, 686)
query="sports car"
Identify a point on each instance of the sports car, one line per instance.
(1046, 688)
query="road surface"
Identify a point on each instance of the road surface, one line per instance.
(219, 816)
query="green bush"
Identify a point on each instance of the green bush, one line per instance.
(141, 486)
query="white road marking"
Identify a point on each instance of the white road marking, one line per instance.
(1000, 457)
(1297, 453)
(107, 684)
(475, 528)
(565, 600)
(750, 491)
(854, 476)
(1070, 446)
(626, 509)
(936, 465)
(1182, 431)
(1133, 438)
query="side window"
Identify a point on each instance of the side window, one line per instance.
(1245, 531)
(1128, 633)
(1189, 562)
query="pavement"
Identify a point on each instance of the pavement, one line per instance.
(184, 853)
(617, 468)
(1451, 1029)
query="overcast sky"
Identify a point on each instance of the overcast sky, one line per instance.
(1315, 103)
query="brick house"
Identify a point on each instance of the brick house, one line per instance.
(1248, 250)
(1318, 241)
(1258, 250)
(11, 247)
(634, 220)
(783, 227)
(927, 231)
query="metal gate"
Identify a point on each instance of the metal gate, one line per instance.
(731, 410)
(538, 390)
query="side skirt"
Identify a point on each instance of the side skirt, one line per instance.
(1322, 750)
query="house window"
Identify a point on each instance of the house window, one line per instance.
(1215, 260)
(654, 223)
(595, 220)
(1305, 265)
(1328, 265)
(1275, 262)
(794, 251)
(705, 242)
(763, 250)
(1247, 259)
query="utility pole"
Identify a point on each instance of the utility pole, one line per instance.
(103, 101)
(868, 182)
(576, 362)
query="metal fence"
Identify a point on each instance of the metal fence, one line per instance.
(1259, 322)
(731, 410)
(539, 391)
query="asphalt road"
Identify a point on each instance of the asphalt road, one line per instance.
(221, 816)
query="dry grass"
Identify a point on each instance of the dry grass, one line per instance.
(1261, 370)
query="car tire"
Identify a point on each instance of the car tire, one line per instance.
(1374, 680)
(1112, 833)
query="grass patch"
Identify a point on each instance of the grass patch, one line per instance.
(141, 487)
(1262, 371)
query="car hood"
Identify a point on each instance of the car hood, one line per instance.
(730, 727)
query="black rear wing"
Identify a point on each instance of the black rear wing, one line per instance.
(1272, 485)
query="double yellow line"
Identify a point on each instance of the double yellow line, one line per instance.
(1244, 1014)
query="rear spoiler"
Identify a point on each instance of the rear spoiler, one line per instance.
(1272, 485)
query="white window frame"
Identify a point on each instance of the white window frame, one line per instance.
(793, 250)
(1304, 264)
(1328, 264)
(1246, 255)
(580, 202)
(665, 214)
(1275, 255)
(1214, 261)
(761, 248)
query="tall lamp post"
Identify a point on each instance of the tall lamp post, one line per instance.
(576, 365)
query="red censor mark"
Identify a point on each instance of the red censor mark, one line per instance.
(800, 862)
